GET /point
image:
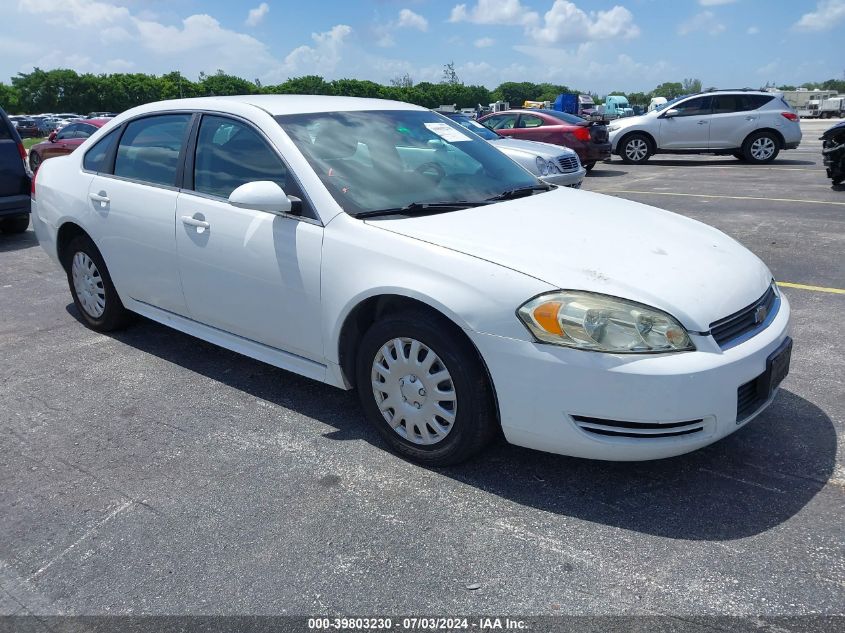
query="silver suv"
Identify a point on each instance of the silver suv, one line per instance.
(752, 126)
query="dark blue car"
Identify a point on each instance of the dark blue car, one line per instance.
(14, 179)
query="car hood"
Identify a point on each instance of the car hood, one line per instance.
(534, 148)
(578, 240)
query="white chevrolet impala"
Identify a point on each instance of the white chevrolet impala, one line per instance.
(378, 246)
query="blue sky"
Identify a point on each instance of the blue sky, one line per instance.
(594, 45)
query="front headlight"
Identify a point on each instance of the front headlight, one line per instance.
(542, 165)
(601, 323)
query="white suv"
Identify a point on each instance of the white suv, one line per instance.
(752, 126)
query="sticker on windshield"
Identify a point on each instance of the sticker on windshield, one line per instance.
(447, 132)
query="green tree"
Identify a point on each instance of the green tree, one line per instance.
(669, 89)
(691, 86)
(450, 76)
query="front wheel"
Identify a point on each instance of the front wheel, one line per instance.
(423, 387)
(761, 148)
(589, 166)
(635, 149)
(91, 286)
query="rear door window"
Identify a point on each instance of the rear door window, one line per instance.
(530, 120)
(149, 149)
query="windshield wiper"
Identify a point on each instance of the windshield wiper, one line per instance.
(519, 192)
(423, 208)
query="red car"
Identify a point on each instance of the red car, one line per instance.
(589, 139)
(64, 141)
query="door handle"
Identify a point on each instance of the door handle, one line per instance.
(200, 224)
(702, 122)
(96, 197)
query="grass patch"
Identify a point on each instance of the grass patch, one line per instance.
(29, 142)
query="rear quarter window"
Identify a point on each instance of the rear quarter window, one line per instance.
(95, 157)
(5, 133)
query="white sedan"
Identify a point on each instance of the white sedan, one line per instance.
(374, 245)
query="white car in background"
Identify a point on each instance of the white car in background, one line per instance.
(749, 125)
(554, 164)
(375, 245)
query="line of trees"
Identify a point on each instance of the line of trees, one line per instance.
(64, 90)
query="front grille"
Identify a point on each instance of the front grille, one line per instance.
(746, 320)
(568, 163)
(639, 430)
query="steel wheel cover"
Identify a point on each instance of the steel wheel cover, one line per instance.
(414, 391)
(636, 149)
(88, 285)
(762, 148)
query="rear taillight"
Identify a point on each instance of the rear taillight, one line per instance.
(22, 151)
(32, 185)
(582, 133)
(789, 115)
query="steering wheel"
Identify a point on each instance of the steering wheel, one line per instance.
(432, 170)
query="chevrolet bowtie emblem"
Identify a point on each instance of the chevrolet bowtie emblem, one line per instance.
(760, 314)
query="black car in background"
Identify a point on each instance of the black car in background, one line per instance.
(27, 126)
(14, 179)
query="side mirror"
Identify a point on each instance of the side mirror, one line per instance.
(264, 195)
(672, 112)
(52, 136)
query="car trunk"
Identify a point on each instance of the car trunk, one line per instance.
(598, 132)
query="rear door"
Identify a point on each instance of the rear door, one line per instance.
(534, 128)
(689, 128)
(504, 124)
(734, 117)
(134, 204)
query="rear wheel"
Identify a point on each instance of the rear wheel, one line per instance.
(589, 166)
(635, 149)
(15, 225)
(423, 387)
(91, 287)
(761, 147)
(34, 161)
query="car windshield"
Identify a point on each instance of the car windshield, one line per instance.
(564, 116)
(390, 159)
(484, 132)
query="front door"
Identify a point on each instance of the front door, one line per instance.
(251, 273)
(689, 128)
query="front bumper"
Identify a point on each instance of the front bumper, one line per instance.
(546, 392)
(569, 179)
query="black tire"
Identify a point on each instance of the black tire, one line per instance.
(34, 161)
(113, 316)
(475, 420)
(635, 149)
(756, 155)
(17, 224)
(589, 166)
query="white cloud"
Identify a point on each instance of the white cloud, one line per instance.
(769, 68)
(411, 20)
(828, 14)
(322, 58)
(714, 3)
(494, 12)
(752, 30)
(565, 22)
(705, 22)
(257, 14)
(484, 42)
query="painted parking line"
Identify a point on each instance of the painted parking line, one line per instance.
(835, 291)
(708, 195)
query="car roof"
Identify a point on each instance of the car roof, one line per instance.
(280, 104)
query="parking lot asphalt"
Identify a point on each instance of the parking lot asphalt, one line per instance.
(148, 472)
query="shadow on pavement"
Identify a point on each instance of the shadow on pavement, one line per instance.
(16, 242)
(723, 162)
(743, 485)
